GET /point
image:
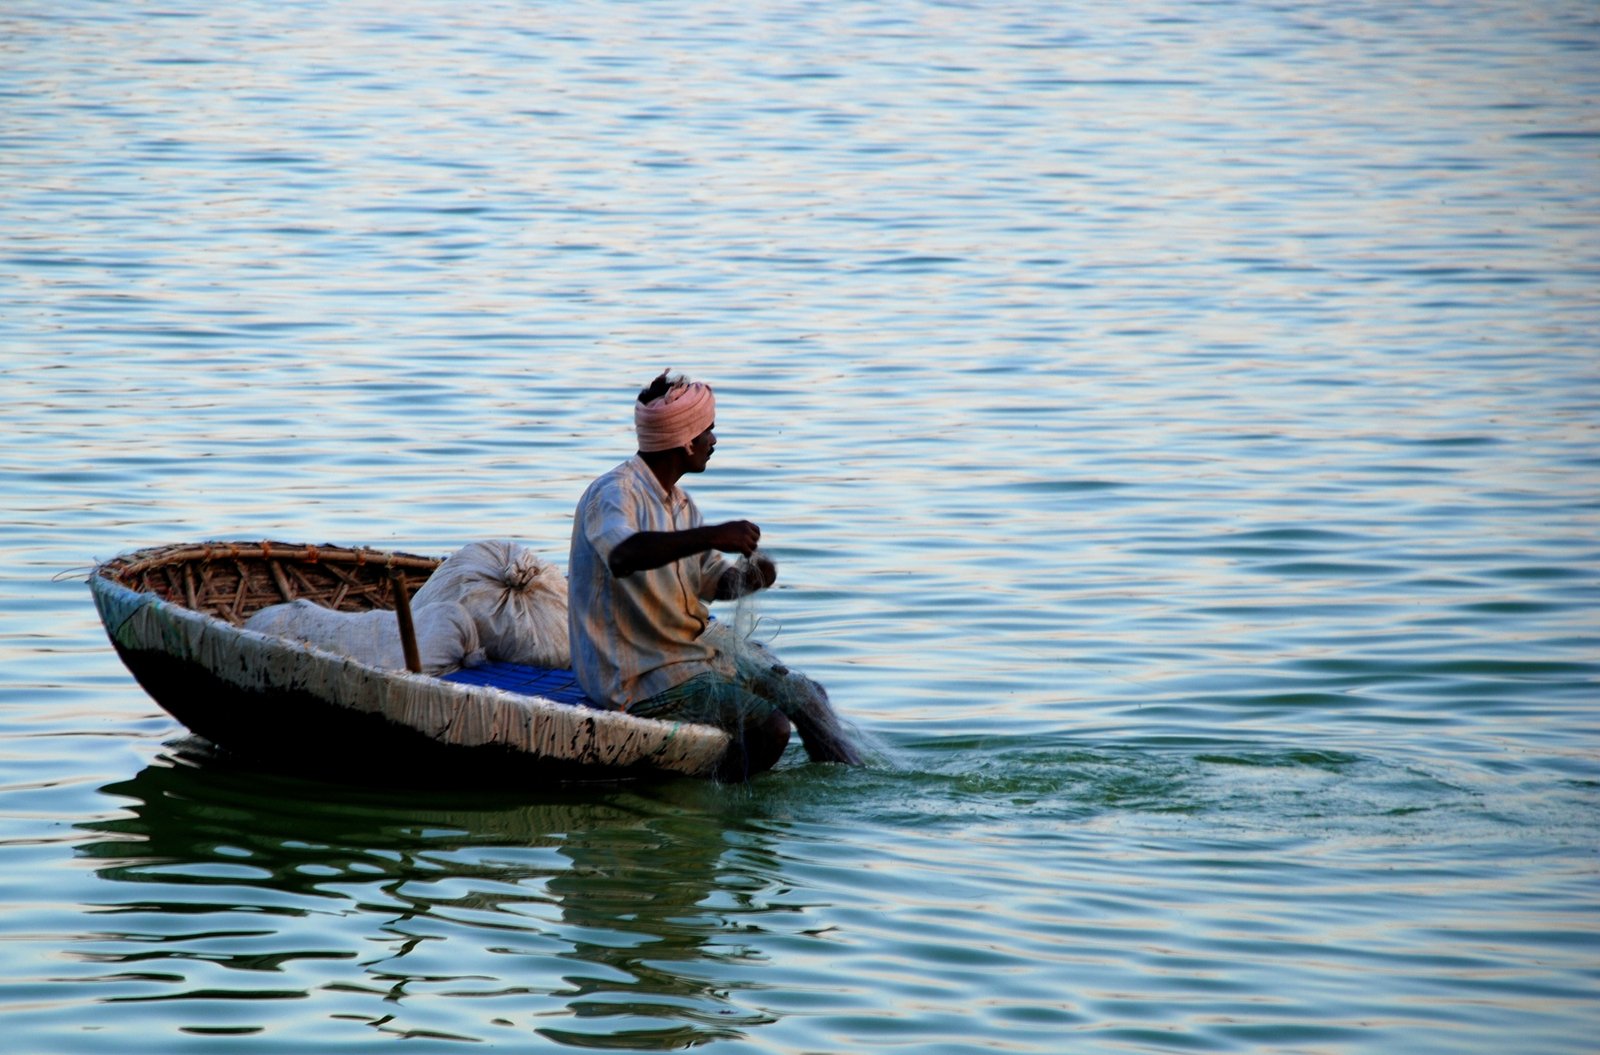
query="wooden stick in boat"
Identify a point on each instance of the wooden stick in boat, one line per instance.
(402, 611)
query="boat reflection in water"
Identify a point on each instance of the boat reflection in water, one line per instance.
(251, 885)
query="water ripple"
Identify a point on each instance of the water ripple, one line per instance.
(1175, 433)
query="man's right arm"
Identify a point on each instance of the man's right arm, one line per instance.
(654, 549)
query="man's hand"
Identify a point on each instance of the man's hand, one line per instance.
(735, 536)
(746, 577)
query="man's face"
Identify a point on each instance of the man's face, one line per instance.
(700, 449)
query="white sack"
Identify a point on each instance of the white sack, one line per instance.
(518, 601)
(447, 636)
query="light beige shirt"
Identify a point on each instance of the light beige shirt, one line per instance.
(637, 636)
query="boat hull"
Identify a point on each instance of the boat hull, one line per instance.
(298, 731)
(318, 712)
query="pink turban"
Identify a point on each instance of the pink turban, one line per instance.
(687, 410)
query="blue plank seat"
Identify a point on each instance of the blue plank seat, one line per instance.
(549, 682)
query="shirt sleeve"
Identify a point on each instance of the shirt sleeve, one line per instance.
(711, 568)
(609, 518)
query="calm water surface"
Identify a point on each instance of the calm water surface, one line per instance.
(1176, 425)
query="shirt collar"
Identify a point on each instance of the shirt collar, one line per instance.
(642, 468)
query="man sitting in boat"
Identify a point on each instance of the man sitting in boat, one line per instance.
(642, 568)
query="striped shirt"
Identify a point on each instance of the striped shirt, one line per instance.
(637, 636)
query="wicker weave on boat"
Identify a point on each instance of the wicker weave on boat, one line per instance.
(189, 602)
(234, 580)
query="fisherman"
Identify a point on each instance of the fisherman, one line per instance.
(643, 567)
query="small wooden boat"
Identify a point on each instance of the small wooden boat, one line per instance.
(175, 615)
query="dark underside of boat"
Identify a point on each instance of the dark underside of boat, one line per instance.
(297, 731)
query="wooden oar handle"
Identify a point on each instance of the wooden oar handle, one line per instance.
(402, 611)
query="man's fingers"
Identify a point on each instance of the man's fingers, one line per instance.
(742, 537)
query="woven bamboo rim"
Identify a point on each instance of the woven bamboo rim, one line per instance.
(234, 580)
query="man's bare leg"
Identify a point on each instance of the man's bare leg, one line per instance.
(822, 732)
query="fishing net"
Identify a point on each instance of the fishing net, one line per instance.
(761, 674)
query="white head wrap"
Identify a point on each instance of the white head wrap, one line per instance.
(687, 410)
